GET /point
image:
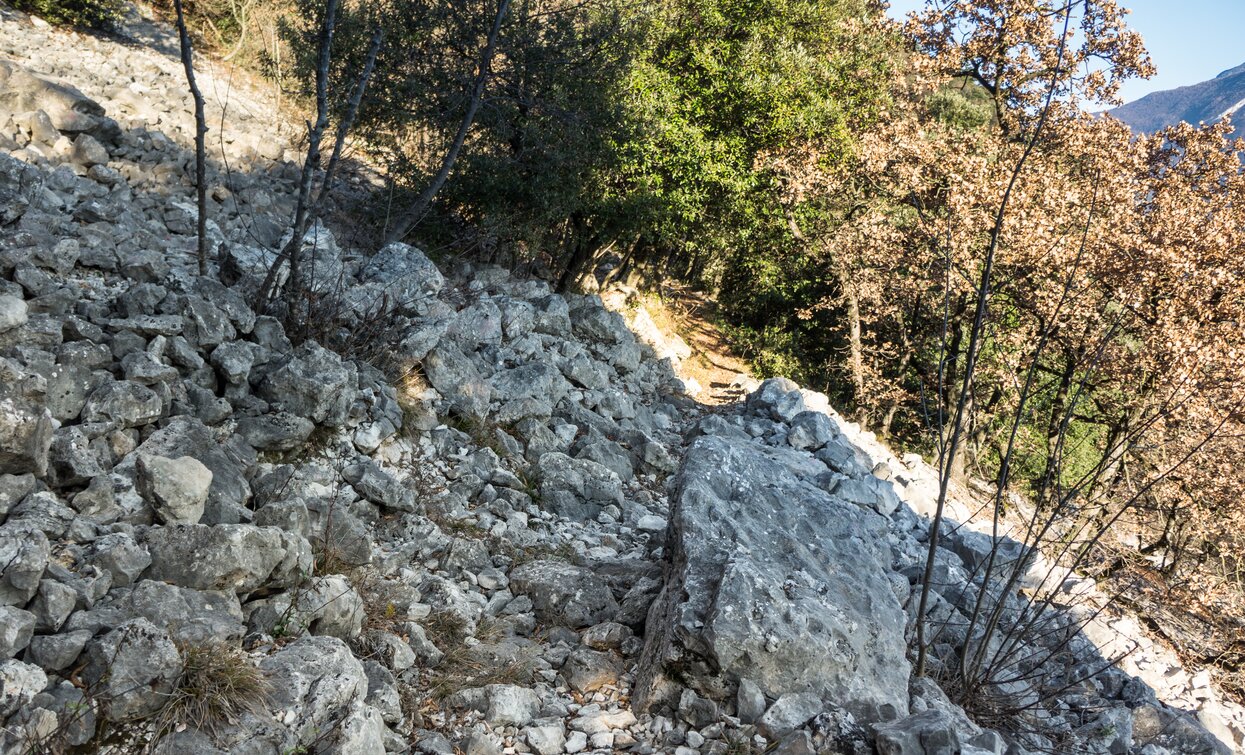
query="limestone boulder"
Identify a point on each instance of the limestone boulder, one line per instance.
(775, 581)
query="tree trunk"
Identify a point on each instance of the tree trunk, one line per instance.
(415, 213)
(352, 112)
(855, 350)
(200, 134)
(315, 133)
(1054, 422)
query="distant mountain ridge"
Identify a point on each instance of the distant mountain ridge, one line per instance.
(1208, 101)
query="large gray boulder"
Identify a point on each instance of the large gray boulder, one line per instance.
(132, 669)
(577, 488)
(189, 616)
(314, 383)
(23, 91)
(778, 399)
(403, 274)
(237, 557)
(20, 183)
(24, 554)
(124, 403)
(456, 378)
(775, 581)
(19, 683)
(25, 436)
(227, 460)
(316, 682)
(16, 629)
(177, 488)
(564, 594)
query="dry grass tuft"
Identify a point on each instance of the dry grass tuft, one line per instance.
(218, 684)
(463, 666)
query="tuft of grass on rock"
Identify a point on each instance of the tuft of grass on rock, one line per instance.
(218, 683)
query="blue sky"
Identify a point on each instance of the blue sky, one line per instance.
(1189, 40)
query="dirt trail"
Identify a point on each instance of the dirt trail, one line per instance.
(685, 320)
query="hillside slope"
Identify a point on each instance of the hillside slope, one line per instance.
(1206, 102)
(511, 529)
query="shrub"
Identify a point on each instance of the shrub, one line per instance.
(91, 14)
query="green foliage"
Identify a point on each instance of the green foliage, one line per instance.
(90, 14)
(964, 105)
(727, 84)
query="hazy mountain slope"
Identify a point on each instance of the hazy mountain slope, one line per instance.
(1208, 101)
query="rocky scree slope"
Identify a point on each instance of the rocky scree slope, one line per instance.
(532, 541)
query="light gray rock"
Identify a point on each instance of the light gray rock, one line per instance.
(236, 557)
(16, 629)
(511, 705)
(25, 436)
(52, 605)
(528, 381)
(146, 369)
(456, 378)
(68, 386)
(1176, 730)
(749, 702)
(118, 555)
(564, 594)
(19, 683)
(315, 682)
(546, 739)
(281, 431)
(378, 486)
(25, 553)
(23, 91)
(403, 273)
(757, 589)
(382, 692)
(13, 488)
(189, 616)
(124, 403)
(45, 512)
(778, 399)
(133, 669)
(610, 455)
(810, 431)
(235, 360)
(589, 670)
(208, 325)
(56, 652)
(867, 491)
(313, 383)
(930, 732)
(552, 316)
(324, 606)
(20, 185)
(228, 460)
(592, 321)
(88, 152)
(177, 488)
(577, 488)
(71, 461)
(13, 313)
(788, 713)
(320, 264)
(606, 636)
